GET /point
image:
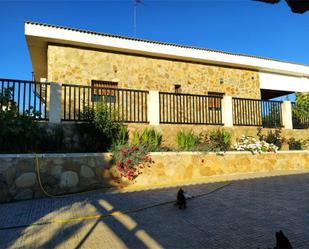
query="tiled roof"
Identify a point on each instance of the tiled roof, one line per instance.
(154, 42)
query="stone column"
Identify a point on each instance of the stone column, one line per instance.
(153, 108)
(227, 111)
(287, 121)
(55, 103)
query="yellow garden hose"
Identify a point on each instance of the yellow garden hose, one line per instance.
(37, 170)
(38, 174)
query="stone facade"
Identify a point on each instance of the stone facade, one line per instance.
(68, 173)
(80, 66)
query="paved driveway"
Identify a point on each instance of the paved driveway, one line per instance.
(245, 214)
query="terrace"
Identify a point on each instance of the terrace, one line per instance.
(57, 103)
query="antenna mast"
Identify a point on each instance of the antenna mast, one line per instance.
(134, 18)
(135, 2)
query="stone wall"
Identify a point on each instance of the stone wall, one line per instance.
(172, 167)
(70, 173)
(81, 65)
(60, 173)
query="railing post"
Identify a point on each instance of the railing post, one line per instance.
(287, 120)
(55, 103)
(153, 108)
(227, 111)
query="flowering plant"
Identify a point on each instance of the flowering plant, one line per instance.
(246, 143)
(130, 160)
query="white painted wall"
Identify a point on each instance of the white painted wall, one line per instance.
(271, 81)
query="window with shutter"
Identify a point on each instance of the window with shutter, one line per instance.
(214, 103)
(103, 91)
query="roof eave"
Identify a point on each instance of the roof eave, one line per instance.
(41, 35)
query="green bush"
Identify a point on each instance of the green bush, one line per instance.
(102, 128)
(149, 138)
(220, 140)
(187, 141)
(272, 137)
(104, 121)
(295, 144)
(121, 137)
(19, 133)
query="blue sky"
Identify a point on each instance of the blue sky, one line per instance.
(245, 26)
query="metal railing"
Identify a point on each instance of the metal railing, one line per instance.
(299, 123)
(176, 108)
(254, 112)
(30, 97)
(125, 105)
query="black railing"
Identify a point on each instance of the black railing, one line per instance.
(254, 112)
(299, 123)
(178, 108)
(30, 97)
(125, 105)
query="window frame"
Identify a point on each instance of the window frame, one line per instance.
(213, 103)
(98, 94)
(177, 88)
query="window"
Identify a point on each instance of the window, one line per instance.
(214, 103)
(103, 91)
(177, 88)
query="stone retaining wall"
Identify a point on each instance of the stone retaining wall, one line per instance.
(69, 173)
(60, 174)
(173, 167)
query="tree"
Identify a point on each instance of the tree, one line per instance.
(301, 109)
(297, 6)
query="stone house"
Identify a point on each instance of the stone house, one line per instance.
(79, 57)
(67, 55)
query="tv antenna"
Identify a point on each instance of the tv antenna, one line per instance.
(135, 3)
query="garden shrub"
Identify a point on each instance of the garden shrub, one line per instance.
(220, 140)
(187, 141)
(129, 160)
(104, 121)
(19, 133)
(149, 138)
(295, 144)
(272, 137)
(103, 132)
(122, 136)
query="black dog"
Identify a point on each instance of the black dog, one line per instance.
(282, 241)
(181, 199)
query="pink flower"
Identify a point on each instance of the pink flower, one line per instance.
(119, 164)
